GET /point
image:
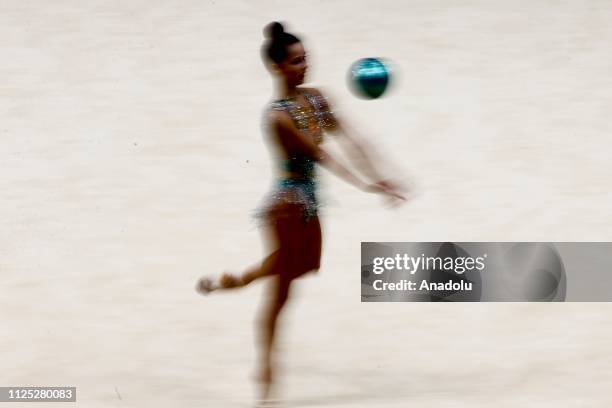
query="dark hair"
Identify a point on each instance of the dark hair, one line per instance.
(277, 41)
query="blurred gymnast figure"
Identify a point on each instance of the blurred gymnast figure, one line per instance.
(295, 121)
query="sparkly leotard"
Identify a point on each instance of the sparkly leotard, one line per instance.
(300, 187)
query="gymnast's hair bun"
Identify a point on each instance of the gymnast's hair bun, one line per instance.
(274, 30)
(277, 40)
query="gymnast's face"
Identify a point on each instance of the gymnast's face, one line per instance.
(293, 68)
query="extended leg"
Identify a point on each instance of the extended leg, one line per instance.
(278, 296)
(271, 265)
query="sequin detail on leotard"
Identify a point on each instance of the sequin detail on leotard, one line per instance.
(301, 188)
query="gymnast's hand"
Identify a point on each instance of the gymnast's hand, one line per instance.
(391, 190)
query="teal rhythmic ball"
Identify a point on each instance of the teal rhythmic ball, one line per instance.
(369, 78)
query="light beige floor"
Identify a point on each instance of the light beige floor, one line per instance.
(131, 157)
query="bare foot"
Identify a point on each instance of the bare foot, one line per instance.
(228, 281)
(208, 284)
(269, 403)
(264, 379)
(205, 285)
